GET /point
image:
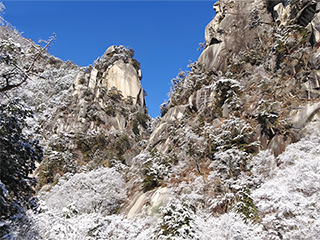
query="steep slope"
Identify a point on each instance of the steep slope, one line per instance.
(49, 78)
(253, 88)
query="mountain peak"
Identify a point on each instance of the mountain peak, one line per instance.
(115, 69)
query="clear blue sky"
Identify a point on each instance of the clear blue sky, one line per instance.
(164, 34)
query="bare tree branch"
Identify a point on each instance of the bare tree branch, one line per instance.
(41, 51)
(11, 75)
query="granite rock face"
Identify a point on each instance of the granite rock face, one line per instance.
(98, 90)
(235, 43)
(104, 119)
(230, 32)
(122, 74)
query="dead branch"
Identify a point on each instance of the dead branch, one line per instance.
(41, 51)
(25, 77)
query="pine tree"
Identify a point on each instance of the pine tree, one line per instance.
(18, 154)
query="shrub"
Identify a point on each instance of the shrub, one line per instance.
(156, 167)
(245, 206)
(177, 221)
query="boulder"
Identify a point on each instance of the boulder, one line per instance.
(202, 98)
(305, 114)
(148, 202)
(316, 28)
(110, 51)
(281, 14)
(174, 114)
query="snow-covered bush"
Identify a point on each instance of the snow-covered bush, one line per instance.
(227, 93)
(289, 201)
(19, 153)
(177, 221)
(80, 207)
(230, 163)
(92, 226)
(233, 133)
(245, 206)
(156, 168)
(229, 226)
(55, 164)
(262, 167)
(98, 191)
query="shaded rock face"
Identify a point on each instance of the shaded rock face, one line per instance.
(230, 32)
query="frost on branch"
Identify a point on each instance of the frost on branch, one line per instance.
(177, 221)
(98, 191)
(289, 202)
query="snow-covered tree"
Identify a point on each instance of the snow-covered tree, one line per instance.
(177, 221)
(19, 153)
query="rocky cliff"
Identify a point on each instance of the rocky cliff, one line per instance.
(235, 154)
(267, 60)
(103, 121)
(253, 88)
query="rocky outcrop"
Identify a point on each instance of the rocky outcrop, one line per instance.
(100, 92)
(254, 87)
(104, 119)
(147, 202)
(121, 72)
(230, 32)
(238, 44)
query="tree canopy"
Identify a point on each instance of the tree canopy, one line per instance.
(19, 152)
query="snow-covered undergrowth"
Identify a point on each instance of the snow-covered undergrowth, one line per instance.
(289, 200)
(48, 78)
(99, 191)
(84, 206)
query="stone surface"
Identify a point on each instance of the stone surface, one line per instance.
(93, 78)
(202, 98)
(124, 77)
(105, 116)
(230, 32)
(281, 14)
(111, 50)
(174, 114)
(316, 27)
(148, 203)
(213, 57)
(305, 115)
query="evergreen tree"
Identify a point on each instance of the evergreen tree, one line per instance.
(18, 154)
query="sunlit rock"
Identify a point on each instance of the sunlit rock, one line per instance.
(124, 77)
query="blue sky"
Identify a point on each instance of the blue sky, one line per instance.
(164, 34)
